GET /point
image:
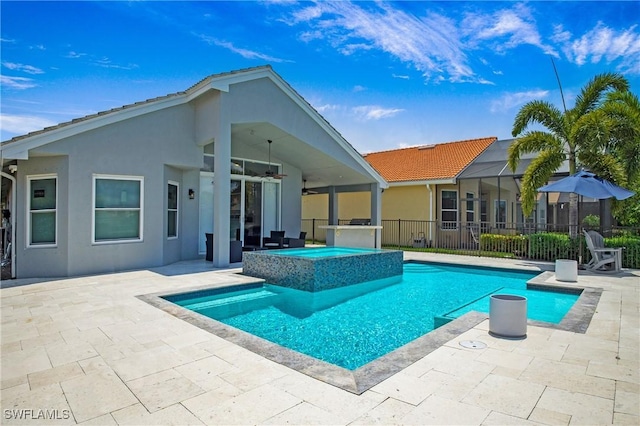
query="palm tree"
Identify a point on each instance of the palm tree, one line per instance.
(568, 137)
(623, 108)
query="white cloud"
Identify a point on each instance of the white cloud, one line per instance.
(505, 29)
(403, 77)
(75, 55)
(19, 83)
(22, 124)
(431, 44)
(374, 112)
(107, 63)
(326, 108)
(21, 67)
(603, 43)
(512, 100)
(359, 88)
(245, 53)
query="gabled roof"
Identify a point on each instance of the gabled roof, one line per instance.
(19, 146)
(437, 162)
(226, 77)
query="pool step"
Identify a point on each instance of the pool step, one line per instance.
(262, 294)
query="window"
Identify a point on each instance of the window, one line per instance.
(471, 214)
(500, 211)
(172, 210)
(208, 158)
(449, 209)
(42, 203)
(117, 208)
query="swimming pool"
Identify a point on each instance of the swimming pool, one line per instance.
(354, 325)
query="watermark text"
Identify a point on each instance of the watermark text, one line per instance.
(36, 414)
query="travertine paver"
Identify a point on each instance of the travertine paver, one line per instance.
(506, 395)
(96, 394)
(406, 388)
(440, 411)
(135, 415)
(583, 409)
(88, 349)
(163, 389)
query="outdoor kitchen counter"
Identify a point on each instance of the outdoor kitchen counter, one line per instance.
(365, 236)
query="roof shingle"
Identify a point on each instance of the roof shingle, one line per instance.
(428, 162)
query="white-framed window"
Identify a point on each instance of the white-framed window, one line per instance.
(471, 212)
(42, 202)
(117, 208)
(173, 203)
(449, 209)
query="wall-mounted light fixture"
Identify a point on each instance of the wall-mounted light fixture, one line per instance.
(192, 194)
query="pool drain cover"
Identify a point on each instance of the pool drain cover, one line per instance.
(473, 344)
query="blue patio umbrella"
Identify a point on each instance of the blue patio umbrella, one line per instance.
(589, 185)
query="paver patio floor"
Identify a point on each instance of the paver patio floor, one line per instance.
(87, 350)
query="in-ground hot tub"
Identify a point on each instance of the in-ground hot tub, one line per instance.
(321, 268)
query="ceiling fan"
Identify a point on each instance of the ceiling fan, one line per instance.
(270, 173)
(306, 191)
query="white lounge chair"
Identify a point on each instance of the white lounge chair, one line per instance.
(602, 258)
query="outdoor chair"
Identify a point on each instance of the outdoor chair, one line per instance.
(295, 242)
(474, 230)
(274, 241)
(602, 258)
(251, 243)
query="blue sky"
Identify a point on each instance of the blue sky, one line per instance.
(384, 74)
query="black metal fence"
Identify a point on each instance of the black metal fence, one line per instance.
(509, 240)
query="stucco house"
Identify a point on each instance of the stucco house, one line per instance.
(141, 185)
(424, 185)
(457, 189)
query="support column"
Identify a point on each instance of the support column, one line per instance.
(222, 189)
(333, 206)
(376, 211)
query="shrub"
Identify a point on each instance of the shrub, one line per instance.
(591, 221)
(630, 252)
(551, 246)
(516, 244)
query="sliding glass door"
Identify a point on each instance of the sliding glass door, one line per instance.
(254, 208)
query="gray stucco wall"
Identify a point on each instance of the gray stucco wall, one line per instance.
(135, 147)
(42, 261)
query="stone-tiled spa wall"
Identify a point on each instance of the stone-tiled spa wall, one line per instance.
(317, 274)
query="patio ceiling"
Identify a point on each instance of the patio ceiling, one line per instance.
(321, 166)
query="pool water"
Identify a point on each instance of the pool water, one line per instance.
(352, 326)
(316, 252)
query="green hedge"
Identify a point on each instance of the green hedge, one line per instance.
(630, 252)
(550, 246)
(516, 244)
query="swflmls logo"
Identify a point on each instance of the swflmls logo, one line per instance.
(29, 414)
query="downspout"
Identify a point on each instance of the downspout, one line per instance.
(430, 210)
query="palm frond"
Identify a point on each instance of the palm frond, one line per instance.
(605, 165)
(592, 132)
(539, 112)
(592, 93)
(531, 142)
(537, 174)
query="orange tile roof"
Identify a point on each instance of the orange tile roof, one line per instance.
(427, 162)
